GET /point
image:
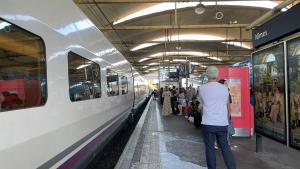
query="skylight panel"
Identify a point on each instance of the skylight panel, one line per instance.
(186, 53)
(239, 44)
(144, 59)
(144, 45)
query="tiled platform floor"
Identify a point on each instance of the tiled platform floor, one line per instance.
(174, 143)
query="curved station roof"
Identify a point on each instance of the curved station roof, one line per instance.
(151, 32)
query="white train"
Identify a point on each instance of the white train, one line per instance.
(64, 89)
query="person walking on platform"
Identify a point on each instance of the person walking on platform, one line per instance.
(174, 101)
(161, 91)
(167, 109)
(181, 102)
(215, 100)
(195, 111)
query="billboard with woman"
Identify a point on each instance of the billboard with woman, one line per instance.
(293, 53)
(269, 108)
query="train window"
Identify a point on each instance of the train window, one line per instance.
(124, 85)
(23, 82)
(112, 83)
(84, 78)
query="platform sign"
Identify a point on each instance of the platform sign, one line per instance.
(269, 92)
(278, 27)
(237, 80)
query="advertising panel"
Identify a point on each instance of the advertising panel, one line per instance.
(293, 53)
(234, 86)
(269, 108)
(237, 80)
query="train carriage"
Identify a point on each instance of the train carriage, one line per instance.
(64, 88)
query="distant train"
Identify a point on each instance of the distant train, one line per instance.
(64, 89)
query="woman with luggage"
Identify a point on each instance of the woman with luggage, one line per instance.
(195, 111)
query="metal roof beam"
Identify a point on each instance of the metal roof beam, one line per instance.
(190, 49)
(186, 41)
(197, 57)
(147, 27)
(138, 1)
(139, 66)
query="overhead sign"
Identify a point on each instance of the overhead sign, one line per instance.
(282, 25)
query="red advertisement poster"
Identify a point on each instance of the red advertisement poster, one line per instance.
(237, 80)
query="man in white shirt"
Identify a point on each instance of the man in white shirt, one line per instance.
(215, 103)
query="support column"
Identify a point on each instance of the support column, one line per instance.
(259, 146)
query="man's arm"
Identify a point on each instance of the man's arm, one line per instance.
(200, 99)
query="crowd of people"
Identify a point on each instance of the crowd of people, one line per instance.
(180, 101)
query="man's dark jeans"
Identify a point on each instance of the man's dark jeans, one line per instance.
(210, 133)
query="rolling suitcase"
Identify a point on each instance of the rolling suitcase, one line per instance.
(197, 119)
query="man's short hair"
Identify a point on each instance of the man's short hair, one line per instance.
(212, 72)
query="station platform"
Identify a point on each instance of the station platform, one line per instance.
(172, 142)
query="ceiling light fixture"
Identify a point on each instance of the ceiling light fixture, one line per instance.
(184, 37)
(180, 60)
(189, 37)
(175, 53)
(239, 44)
(154, 63)
(200, 9)
(219, 15)
(144, 45)
(214, 58)
(184, 53)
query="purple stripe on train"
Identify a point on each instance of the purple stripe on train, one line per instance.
(87, 149)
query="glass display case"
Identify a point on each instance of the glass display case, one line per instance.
(269, 92)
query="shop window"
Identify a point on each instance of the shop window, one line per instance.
(112, 83)
(84, 78)
(23, 82)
